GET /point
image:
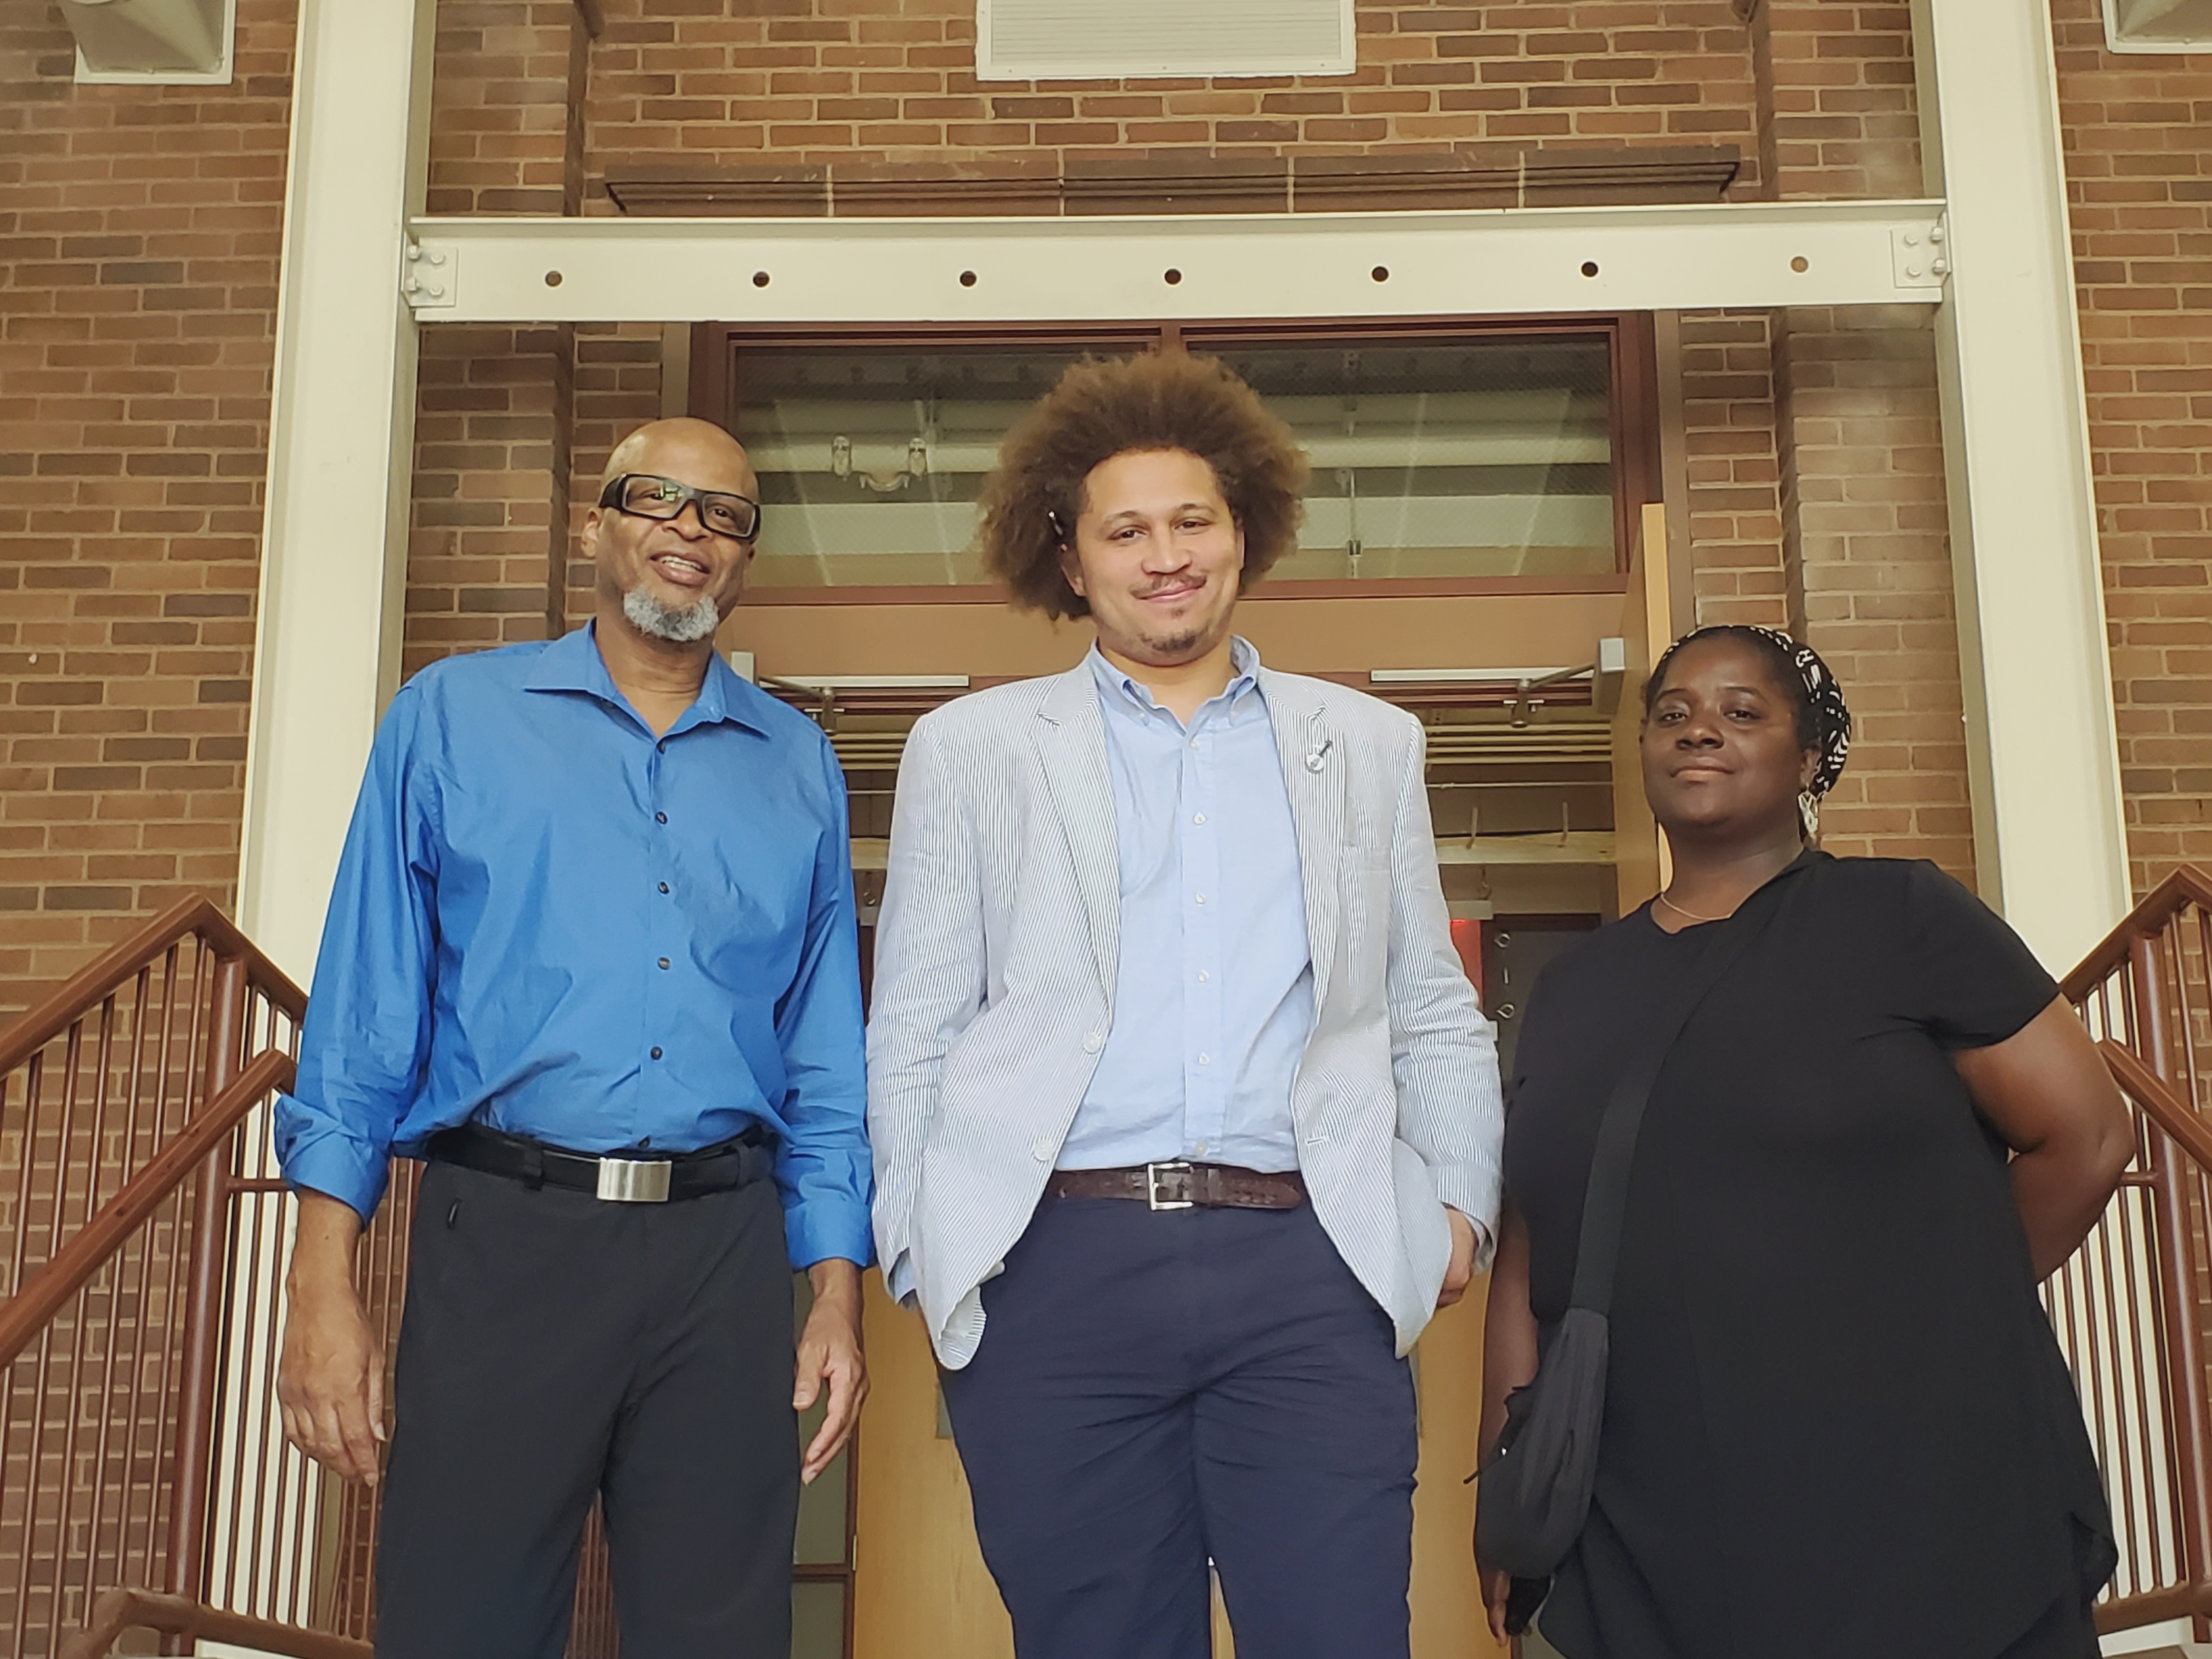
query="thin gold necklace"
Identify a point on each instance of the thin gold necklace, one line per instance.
(1691, 915)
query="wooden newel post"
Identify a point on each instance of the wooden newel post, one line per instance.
(191, 1493)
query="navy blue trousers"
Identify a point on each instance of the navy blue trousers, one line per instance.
(1155, 1390)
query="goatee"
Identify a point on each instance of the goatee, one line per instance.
(679, 624)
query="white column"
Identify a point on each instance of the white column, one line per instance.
(2050, 841)
(333, 556)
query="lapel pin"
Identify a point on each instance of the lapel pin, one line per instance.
(1314, 757)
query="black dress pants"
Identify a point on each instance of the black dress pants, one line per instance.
(1153, 1390)
(555, 1348)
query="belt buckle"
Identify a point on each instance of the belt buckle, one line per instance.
(634, 1180)
(1153, 1172)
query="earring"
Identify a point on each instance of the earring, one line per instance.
(1808, 813)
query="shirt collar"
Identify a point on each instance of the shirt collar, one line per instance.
(1243, 663)
(573, 663)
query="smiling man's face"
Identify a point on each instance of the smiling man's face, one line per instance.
(672, 579)
(1157, 555)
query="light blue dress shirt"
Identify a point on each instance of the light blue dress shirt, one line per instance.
(552, 921)
(1213, 993)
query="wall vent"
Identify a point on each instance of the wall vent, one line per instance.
(1084, 40)
(2158, 24)
(153, 42)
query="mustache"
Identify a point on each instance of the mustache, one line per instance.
(1167, 584)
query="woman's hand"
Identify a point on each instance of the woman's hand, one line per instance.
(1509, 1360)
(1497, 1585)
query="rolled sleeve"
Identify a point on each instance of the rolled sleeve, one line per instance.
(825, 1172)
(366, 1036)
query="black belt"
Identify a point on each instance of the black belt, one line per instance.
(748, 1158)
(1181, 1185)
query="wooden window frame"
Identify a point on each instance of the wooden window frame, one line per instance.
(1634, 421)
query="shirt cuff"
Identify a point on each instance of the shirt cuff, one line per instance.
(820, 1228)
(898, 1279)
(341, 1168)
(1471, 1190)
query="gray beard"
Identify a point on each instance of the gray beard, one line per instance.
(679, 624)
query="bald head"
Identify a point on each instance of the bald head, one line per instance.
(680, 447)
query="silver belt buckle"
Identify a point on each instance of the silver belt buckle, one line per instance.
(1152, 1174)
(634, 1180)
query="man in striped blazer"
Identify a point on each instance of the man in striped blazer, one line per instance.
(1184, 1116)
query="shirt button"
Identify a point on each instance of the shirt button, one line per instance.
(1092, 1043)
(1203, 976)
(1198, 818)
(663, 961)
(1194, 743)
(660, 818)
(1201, 898)
(664, 887)
(1200, 1149)
(1042, 1152)
(656, 1054)
(1206, 1059)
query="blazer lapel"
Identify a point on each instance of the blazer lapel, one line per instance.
(1313, 775)
(1071, 740)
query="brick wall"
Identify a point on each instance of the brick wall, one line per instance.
(1864, 543)
(618, 390)
(892, 81)
(1868, 553)
(1836, 113)
(505, 101)
(490, 530)
(1736, 502)
(2140, 189)
(139, 232)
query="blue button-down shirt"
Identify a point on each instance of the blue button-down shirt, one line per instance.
(1213, 995)
(552, 921)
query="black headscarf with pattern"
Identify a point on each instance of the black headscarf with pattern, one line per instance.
(1823, 722)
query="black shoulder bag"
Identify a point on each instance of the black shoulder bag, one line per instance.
(1534, 1492)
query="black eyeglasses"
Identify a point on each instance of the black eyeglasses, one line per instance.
(644, 496)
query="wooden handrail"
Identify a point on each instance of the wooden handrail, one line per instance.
(118, 1610)
(45, 1290)
(119, 965)
(2155, 1096)
(2181, 888)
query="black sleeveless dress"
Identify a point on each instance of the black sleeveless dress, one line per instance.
(1837, 1422)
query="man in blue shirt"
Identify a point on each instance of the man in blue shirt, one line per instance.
(1185, 1118)
(591, 954)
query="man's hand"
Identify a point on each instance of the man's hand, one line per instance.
(330, 1378)
(829, 1351)
(1460, 1269)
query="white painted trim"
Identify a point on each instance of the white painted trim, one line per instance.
(341, 459)
(1269, 265)
(2050, 838)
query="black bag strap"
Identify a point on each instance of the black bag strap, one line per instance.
(1605, 1199)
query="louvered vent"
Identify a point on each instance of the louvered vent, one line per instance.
(2158, 24)
(1083, 39)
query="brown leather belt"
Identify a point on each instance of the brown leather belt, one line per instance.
(1180, 1186)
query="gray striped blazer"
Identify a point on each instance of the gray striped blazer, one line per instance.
(995, 962)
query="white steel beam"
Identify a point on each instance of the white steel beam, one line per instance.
(2050, 838)
(989, 271)
(341, 454)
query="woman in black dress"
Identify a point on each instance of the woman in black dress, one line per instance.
(1837, 1425)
